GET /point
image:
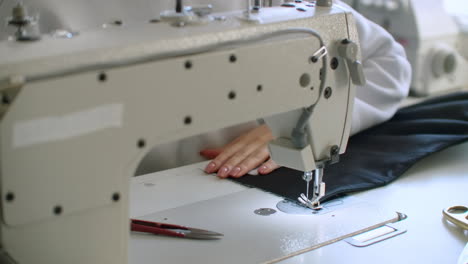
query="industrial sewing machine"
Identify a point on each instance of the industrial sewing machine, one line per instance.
(435, 42)
(80, 111)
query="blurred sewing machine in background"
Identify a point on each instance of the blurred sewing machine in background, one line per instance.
(434, 34)
(82, 106)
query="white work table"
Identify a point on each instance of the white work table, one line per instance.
(435, 183)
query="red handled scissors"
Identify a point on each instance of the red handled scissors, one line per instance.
(172, 230)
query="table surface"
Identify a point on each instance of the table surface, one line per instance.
(435, 183)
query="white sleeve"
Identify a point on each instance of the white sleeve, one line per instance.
(387, 72)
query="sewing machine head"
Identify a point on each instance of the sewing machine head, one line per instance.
(79, 113)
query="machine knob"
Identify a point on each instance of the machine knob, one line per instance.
(443, 62)
(349, 51)
(325, 3)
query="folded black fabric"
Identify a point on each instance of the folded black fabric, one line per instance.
(379, 155)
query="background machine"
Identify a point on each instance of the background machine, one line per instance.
(434, 35)
(80, 109)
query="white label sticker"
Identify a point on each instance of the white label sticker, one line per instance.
(54, 128)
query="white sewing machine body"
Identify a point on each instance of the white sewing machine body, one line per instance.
(80, 113)
(434, 42)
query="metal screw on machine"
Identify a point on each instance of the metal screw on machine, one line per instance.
(5, 99)
(334, 154)
(116, 197)
(328, 92)
(10, 197)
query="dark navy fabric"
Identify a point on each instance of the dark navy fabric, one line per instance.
(379, 155)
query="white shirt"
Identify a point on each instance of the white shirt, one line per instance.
(388, 75)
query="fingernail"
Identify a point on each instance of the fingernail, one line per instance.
(262, 169)
(223, 172)
(210, 167)
(235, 171)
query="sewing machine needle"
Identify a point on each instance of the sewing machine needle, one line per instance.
(307, 190)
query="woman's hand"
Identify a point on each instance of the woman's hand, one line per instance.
(242, 155)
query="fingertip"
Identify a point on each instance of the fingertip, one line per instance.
(236, 171)
(223, 172)
(263, 169)
(211, 167)
(239, 174)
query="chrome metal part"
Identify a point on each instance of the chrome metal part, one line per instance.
(305, 201)
(308, 175)
(26, 26)
(291, 207)
(319, 54)
(457, 215)
(319, 186)
(318, 189)
(196, 233)
(375, 236)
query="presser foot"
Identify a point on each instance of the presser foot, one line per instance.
(318, 189)
(312, 204)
